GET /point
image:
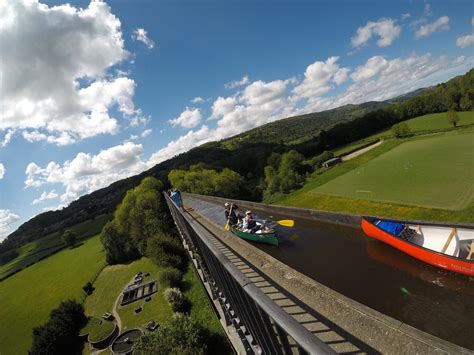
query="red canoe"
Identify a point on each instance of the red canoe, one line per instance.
(441, 246)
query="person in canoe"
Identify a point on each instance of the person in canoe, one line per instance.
(249, 224)
(230, 215)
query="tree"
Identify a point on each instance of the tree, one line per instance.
(58, 335)
(166, 251)
(401, 130)
(69, 238)
(181, 335)
(453, 117)
(118, 246)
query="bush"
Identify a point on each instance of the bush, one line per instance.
(181, 335)
(401, 130)
(171, 277)
(88, 289)
(175, 298)
(166, 251)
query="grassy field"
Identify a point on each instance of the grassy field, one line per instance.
(28, 297)
(307, 198)
(38, 249)
(435, 172)
(432, 122)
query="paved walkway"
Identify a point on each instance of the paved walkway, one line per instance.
(361, 151)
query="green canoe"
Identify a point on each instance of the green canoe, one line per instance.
(268, 238)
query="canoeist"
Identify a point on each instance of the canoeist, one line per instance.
(230, 215)
(249, 223)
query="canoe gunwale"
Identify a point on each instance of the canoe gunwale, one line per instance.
(267, 238)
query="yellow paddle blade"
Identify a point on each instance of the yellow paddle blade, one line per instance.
(286, 222)
(227, 227)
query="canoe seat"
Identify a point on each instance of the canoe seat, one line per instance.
(464, 248)
(407, 234)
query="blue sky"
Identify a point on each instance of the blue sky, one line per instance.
(95, 92)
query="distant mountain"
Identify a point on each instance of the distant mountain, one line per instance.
(247, 153)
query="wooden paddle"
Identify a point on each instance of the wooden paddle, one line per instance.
(470, 251)
(227, 225)
(451, 236)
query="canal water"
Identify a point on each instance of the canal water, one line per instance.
(433, 300)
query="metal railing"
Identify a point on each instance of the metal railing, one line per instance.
(266, 326)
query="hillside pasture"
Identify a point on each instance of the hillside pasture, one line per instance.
(29, 296)
(435, 172)
(418, 125)
(39, 249)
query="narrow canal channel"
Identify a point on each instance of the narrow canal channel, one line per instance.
(433, 300)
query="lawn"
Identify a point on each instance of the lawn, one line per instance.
(426, 123)
(34, 251)
(29, 296)
(434, 172)
(109, 286)
(306, 198)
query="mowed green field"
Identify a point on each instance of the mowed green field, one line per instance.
(436, 172)
(431, 122)
(28, 297)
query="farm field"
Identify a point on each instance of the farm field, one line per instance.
(434, 172)
(38, 249)
(29, 296)
(432, 122)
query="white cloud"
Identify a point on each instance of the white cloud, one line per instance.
(467, 40)
(318, 77)
(2, 171)
(406, 16)
(7, 137)
(7, 218)
(189, 118)
(441, 24)
(197, 100)
(260, 92)
(386, 29)
(235, 84)
(222, 106)
(146, 132)
(380, 78)
(139, 34)
(51, 195)
(56, 82)
(63, 138)
(371, 68)
(86, 172)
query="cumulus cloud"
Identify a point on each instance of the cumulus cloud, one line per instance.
(51, 195)
(319, 76)
(441, 24)
(235, 84)
(86, 172)
(7, 218)
(222, 106)
(2, 171)
(380, 78)
(386, 29)
(189, 118)
(467, 40)
(197, 100)
(146, 132)
(56, 83)
(139, 34)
